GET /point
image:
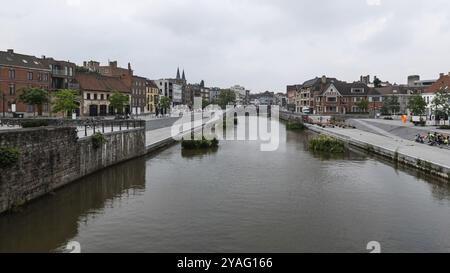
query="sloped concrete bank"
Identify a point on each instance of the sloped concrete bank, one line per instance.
(423, 163)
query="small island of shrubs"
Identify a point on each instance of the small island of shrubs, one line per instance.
(326, 144)
(199, 144)
(295, 126)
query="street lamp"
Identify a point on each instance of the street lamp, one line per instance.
(3, 102)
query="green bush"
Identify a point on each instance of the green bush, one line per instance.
(8, 156)
(445, 127)
(98, 139)
(295, 126)
(35, 123)
(326, 144)
(199, 144)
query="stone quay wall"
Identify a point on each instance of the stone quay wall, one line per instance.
(51, 157)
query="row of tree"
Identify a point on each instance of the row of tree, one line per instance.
(440, 103)
(416, 104)
(65, 101)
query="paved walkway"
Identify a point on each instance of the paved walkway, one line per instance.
(396, 129)
(409, 148)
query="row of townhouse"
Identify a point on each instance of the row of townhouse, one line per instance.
(95, 84)
(331, 96)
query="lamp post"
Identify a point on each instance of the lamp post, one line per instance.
(3, 102)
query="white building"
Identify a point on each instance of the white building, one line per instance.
(177, 90)
(241, 93)
(171, 89)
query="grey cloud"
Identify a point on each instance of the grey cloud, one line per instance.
(262, 44)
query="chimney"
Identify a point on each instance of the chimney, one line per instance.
(10, 51)
(129, 66)
(85, 64)
(324, 79)
(441, 75)
(43, 57)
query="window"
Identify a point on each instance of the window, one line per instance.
(102, 97)
(12, 89)
(331, 99)
(95, 96)
(71, 71)
(11, 74)
(30, 76)
(45, 77)
(29, 108)
(107, 97)
(39, 77)
(357, 90)
(88, 96)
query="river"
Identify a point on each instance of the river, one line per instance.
(239, 199)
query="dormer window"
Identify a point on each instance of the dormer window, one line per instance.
(357, 90)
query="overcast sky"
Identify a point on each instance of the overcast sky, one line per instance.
(261, 44)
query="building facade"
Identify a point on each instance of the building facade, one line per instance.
(152, 93)
(95, 90)
(341, 98)
(138, 95)
(19, 72)
(62, 73)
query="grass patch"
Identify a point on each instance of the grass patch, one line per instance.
(327, 144)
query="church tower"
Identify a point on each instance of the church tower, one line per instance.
(178, 74)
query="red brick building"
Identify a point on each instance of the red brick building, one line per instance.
(136, 84)
(19, 72)
(341, 98)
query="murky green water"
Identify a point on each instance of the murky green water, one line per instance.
(239, 199)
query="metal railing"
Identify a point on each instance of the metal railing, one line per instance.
(86, 125)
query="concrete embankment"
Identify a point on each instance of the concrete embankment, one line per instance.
(423, 157)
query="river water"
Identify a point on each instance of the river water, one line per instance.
(238, 199)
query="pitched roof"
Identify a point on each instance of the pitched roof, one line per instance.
(9, 58)
(96, 82)
(345, 89)
(443, 82)
(399, 90)
(152, 84)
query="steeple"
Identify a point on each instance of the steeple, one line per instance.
(178, 74)
(184, 76)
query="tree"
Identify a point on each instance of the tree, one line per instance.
(118, 101)
(66, 101)
(390, 105)
(417, 105)
(226, 97)
(164, 103)
(35, 97)
(205, 103)
(441, 103)
(377, 82)
(363, 105)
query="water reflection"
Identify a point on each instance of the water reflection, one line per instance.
(239, 199)
(51, 221)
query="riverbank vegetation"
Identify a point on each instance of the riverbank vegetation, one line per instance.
(296, 126)
(327, 144)
(8, 156)
(199, 144)
(98, 139)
